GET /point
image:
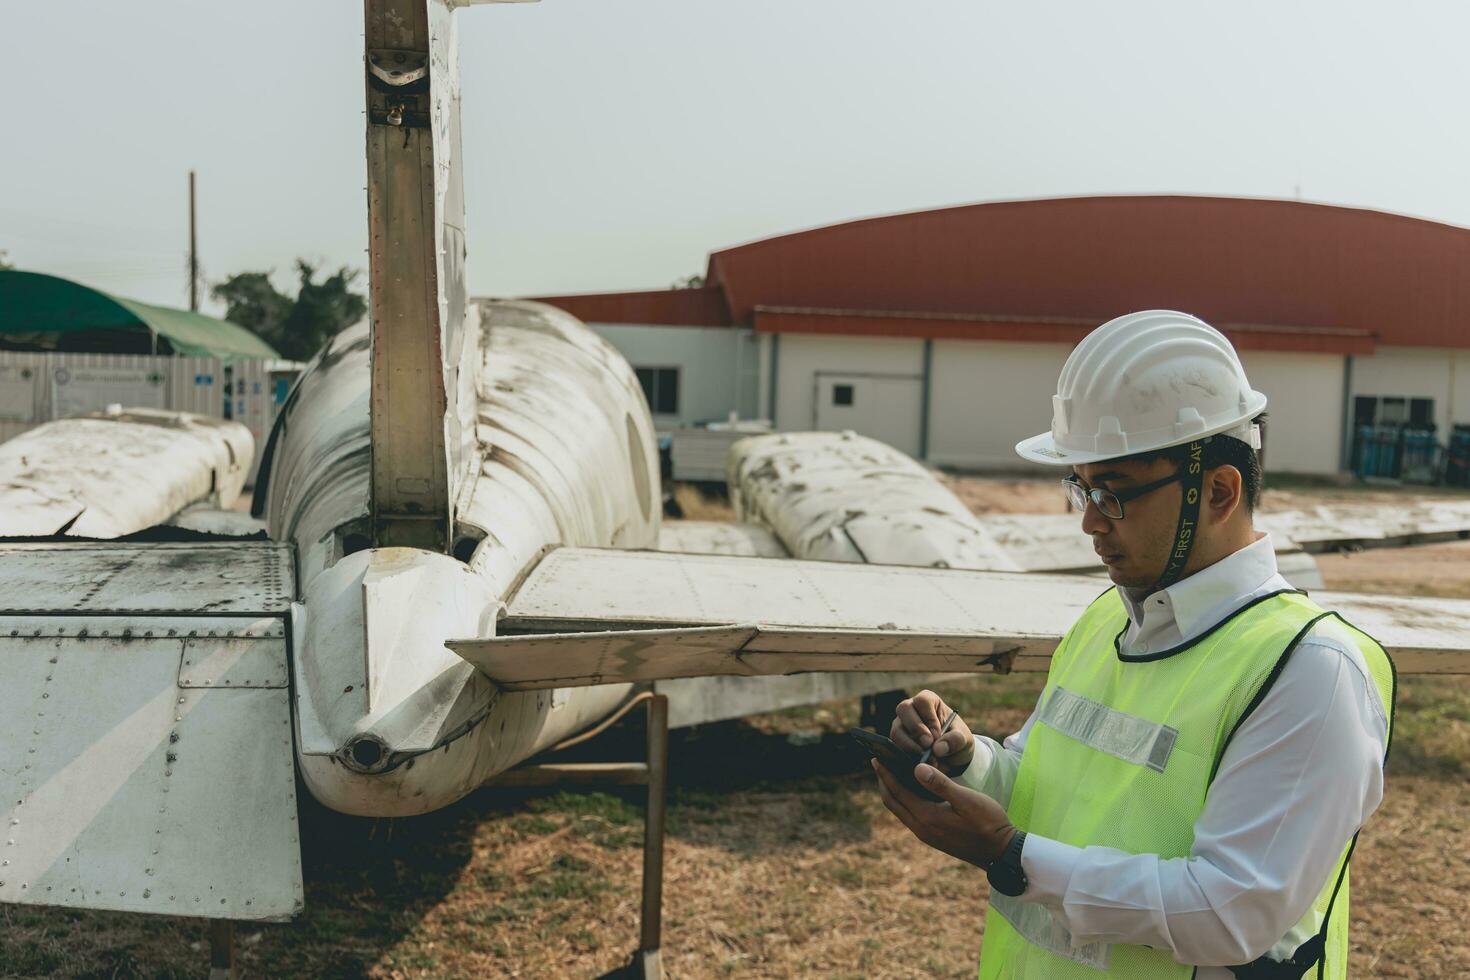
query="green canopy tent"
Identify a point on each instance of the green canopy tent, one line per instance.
(41, 312)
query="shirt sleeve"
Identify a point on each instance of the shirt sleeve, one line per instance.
(1302, 774)
(993, 770)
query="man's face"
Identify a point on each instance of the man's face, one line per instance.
(1135, 548)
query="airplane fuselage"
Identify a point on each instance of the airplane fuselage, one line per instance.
(389, 722)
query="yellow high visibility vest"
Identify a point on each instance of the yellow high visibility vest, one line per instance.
(1122, 754)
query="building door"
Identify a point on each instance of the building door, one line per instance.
(885, 407)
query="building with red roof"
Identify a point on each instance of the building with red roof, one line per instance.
(942, 332)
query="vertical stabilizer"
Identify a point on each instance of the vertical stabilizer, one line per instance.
(422, 408)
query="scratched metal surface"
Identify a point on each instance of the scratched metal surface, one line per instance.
(146, 766)
(91, 578)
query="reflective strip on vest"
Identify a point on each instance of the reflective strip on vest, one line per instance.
(1119, 734)
(1036, 926)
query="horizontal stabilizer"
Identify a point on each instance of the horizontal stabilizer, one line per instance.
(529, 663)
(589, 616)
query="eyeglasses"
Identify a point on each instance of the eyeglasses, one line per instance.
(1110, 502)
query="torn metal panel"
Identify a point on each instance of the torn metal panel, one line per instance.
(108, 475)
(121, 789)
(235, 578)
(720, 538)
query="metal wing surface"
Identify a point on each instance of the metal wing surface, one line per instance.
(590, 616)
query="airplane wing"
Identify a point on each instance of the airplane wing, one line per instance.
(145, 728)
(591, 616)
(111, 474)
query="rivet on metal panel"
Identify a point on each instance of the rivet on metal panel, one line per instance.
(172, 632)
(148, 633)
(181, 700)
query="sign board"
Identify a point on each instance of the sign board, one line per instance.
(76, 391)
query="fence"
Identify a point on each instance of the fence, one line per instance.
(39, 387)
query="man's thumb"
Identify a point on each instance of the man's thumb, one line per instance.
(938, 783)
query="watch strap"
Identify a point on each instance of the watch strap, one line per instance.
(1005, 873)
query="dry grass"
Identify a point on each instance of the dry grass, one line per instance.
(781, 860)
(697, 505)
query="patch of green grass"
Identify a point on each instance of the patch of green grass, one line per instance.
(611, 808)
(1431, 727)
(533, 825)
(568, 876)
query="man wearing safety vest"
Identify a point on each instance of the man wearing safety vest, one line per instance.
(1184, 799)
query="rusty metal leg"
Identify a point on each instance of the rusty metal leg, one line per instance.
(647, 963)
(222, 950)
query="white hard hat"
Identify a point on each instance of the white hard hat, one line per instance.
(1143, 382)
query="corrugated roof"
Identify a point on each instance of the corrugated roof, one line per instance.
(35, 303)
(1229, 260)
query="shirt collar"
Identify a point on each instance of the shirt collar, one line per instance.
(1196, 603)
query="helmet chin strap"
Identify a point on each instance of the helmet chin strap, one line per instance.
(1189, 504)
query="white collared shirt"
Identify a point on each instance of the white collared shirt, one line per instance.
(1299, 778)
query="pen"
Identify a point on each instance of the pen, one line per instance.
(930, 750)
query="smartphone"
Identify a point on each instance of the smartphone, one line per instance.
(894, 759)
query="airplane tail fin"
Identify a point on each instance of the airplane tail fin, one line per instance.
(424, 335)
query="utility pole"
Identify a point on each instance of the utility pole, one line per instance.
(193, 252)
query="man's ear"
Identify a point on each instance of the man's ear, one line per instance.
(1225, 492)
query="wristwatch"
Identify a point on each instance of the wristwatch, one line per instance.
(1005, 872)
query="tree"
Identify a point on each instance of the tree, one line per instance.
(5, 262)
(297, 328)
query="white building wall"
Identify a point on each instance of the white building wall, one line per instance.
(1304, 401)
(801, 357)
(1418, 372)
(986, 396)
(719, 367)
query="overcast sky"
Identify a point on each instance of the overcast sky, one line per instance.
(612, 144)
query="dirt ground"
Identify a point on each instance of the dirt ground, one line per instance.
(781, 860)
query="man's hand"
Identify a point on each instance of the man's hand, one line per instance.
(917, 725)
(967, 825)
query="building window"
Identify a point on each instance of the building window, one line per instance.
(1415, 413)
(842, 394)
(661, 388)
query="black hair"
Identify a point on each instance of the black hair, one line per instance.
(1224, 451)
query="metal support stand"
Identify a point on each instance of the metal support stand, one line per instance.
(222, 950)
(655, 775)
